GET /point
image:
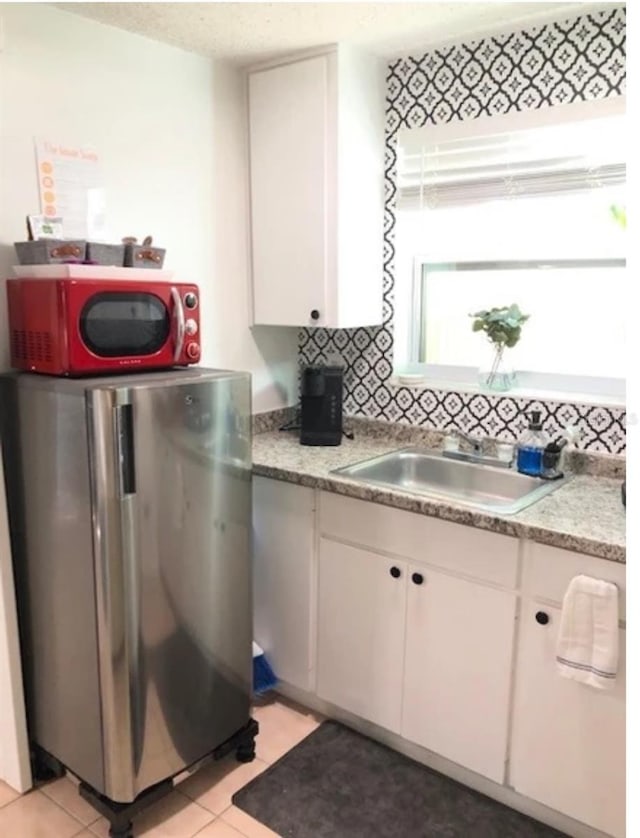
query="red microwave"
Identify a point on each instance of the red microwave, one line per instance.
(82, 326)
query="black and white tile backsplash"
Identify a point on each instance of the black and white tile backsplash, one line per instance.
(581, 58)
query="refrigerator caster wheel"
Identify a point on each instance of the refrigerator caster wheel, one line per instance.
(45, 767)
(246, 753)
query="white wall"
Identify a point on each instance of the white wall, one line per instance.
(170, 128)
(269, 352)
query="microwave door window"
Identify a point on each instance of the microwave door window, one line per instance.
(115, 324)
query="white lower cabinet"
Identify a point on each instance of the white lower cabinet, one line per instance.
(412, 622)
(361, 616)
(419, 652)
(457, 679)
(568, 748)
(283, 567)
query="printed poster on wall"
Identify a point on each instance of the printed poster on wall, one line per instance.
(71, 187)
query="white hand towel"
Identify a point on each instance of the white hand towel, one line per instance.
(587, 649)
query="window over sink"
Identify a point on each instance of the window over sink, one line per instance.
(523, 209)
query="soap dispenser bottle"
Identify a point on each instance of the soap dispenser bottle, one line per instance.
(531, 447)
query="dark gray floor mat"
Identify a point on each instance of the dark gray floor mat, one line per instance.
(339, 784)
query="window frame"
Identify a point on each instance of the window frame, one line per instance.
(610, 390)
(586, 389)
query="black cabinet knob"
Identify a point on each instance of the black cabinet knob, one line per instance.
(315, 314)
(542, 617)
(395, 572)
(417, 578)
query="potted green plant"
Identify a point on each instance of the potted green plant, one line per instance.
(503, 327)
(619, 215)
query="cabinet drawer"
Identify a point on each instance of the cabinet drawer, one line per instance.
(548, 571)
(473, 552)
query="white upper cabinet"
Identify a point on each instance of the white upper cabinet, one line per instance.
(316, 128)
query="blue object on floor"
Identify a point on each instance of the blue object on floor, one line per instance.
(264, 678)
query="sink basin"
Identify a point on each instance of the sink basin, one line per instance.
(428, 473)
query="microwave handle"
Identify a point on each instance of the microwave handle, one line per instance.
(179, 314)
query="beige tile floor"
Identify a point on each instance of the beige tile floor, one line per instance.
(199, 806)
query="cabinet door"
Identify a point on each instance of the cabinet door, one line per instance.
(288, 149)
(568, 746)
(457, 679)
(361, 616)
(283, 541)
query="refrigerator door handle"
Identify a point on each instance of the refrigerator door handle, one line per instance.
(125, 450)
(125, 456)
(111, 446)
(180, 326)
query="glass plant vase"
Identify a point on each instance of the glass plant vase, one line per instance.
(500, 377)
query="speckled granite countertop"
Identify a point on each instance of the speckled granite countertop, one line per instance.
(585, 514)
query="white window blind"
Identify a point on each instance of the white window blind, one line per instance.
(437, 168)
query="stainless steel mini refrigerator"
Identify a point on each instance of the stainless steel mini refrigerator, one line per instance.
(131, 514)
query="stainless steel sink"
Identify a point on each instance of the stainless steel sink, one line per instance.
(428, 473)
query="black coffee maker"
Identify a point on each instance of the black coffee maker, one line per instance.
(321, 406)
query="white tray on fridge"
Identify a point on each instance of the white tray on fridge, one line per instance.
(90, 272)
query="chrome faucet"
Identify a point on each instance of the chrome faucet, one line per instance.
(478, 453)
(476, 443)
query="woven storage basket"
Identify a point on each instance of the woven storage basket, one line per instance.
(50, 251)
(143, 256)
(105, 254)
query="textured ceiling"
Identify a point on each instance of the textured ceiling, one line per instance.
(249, 32)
